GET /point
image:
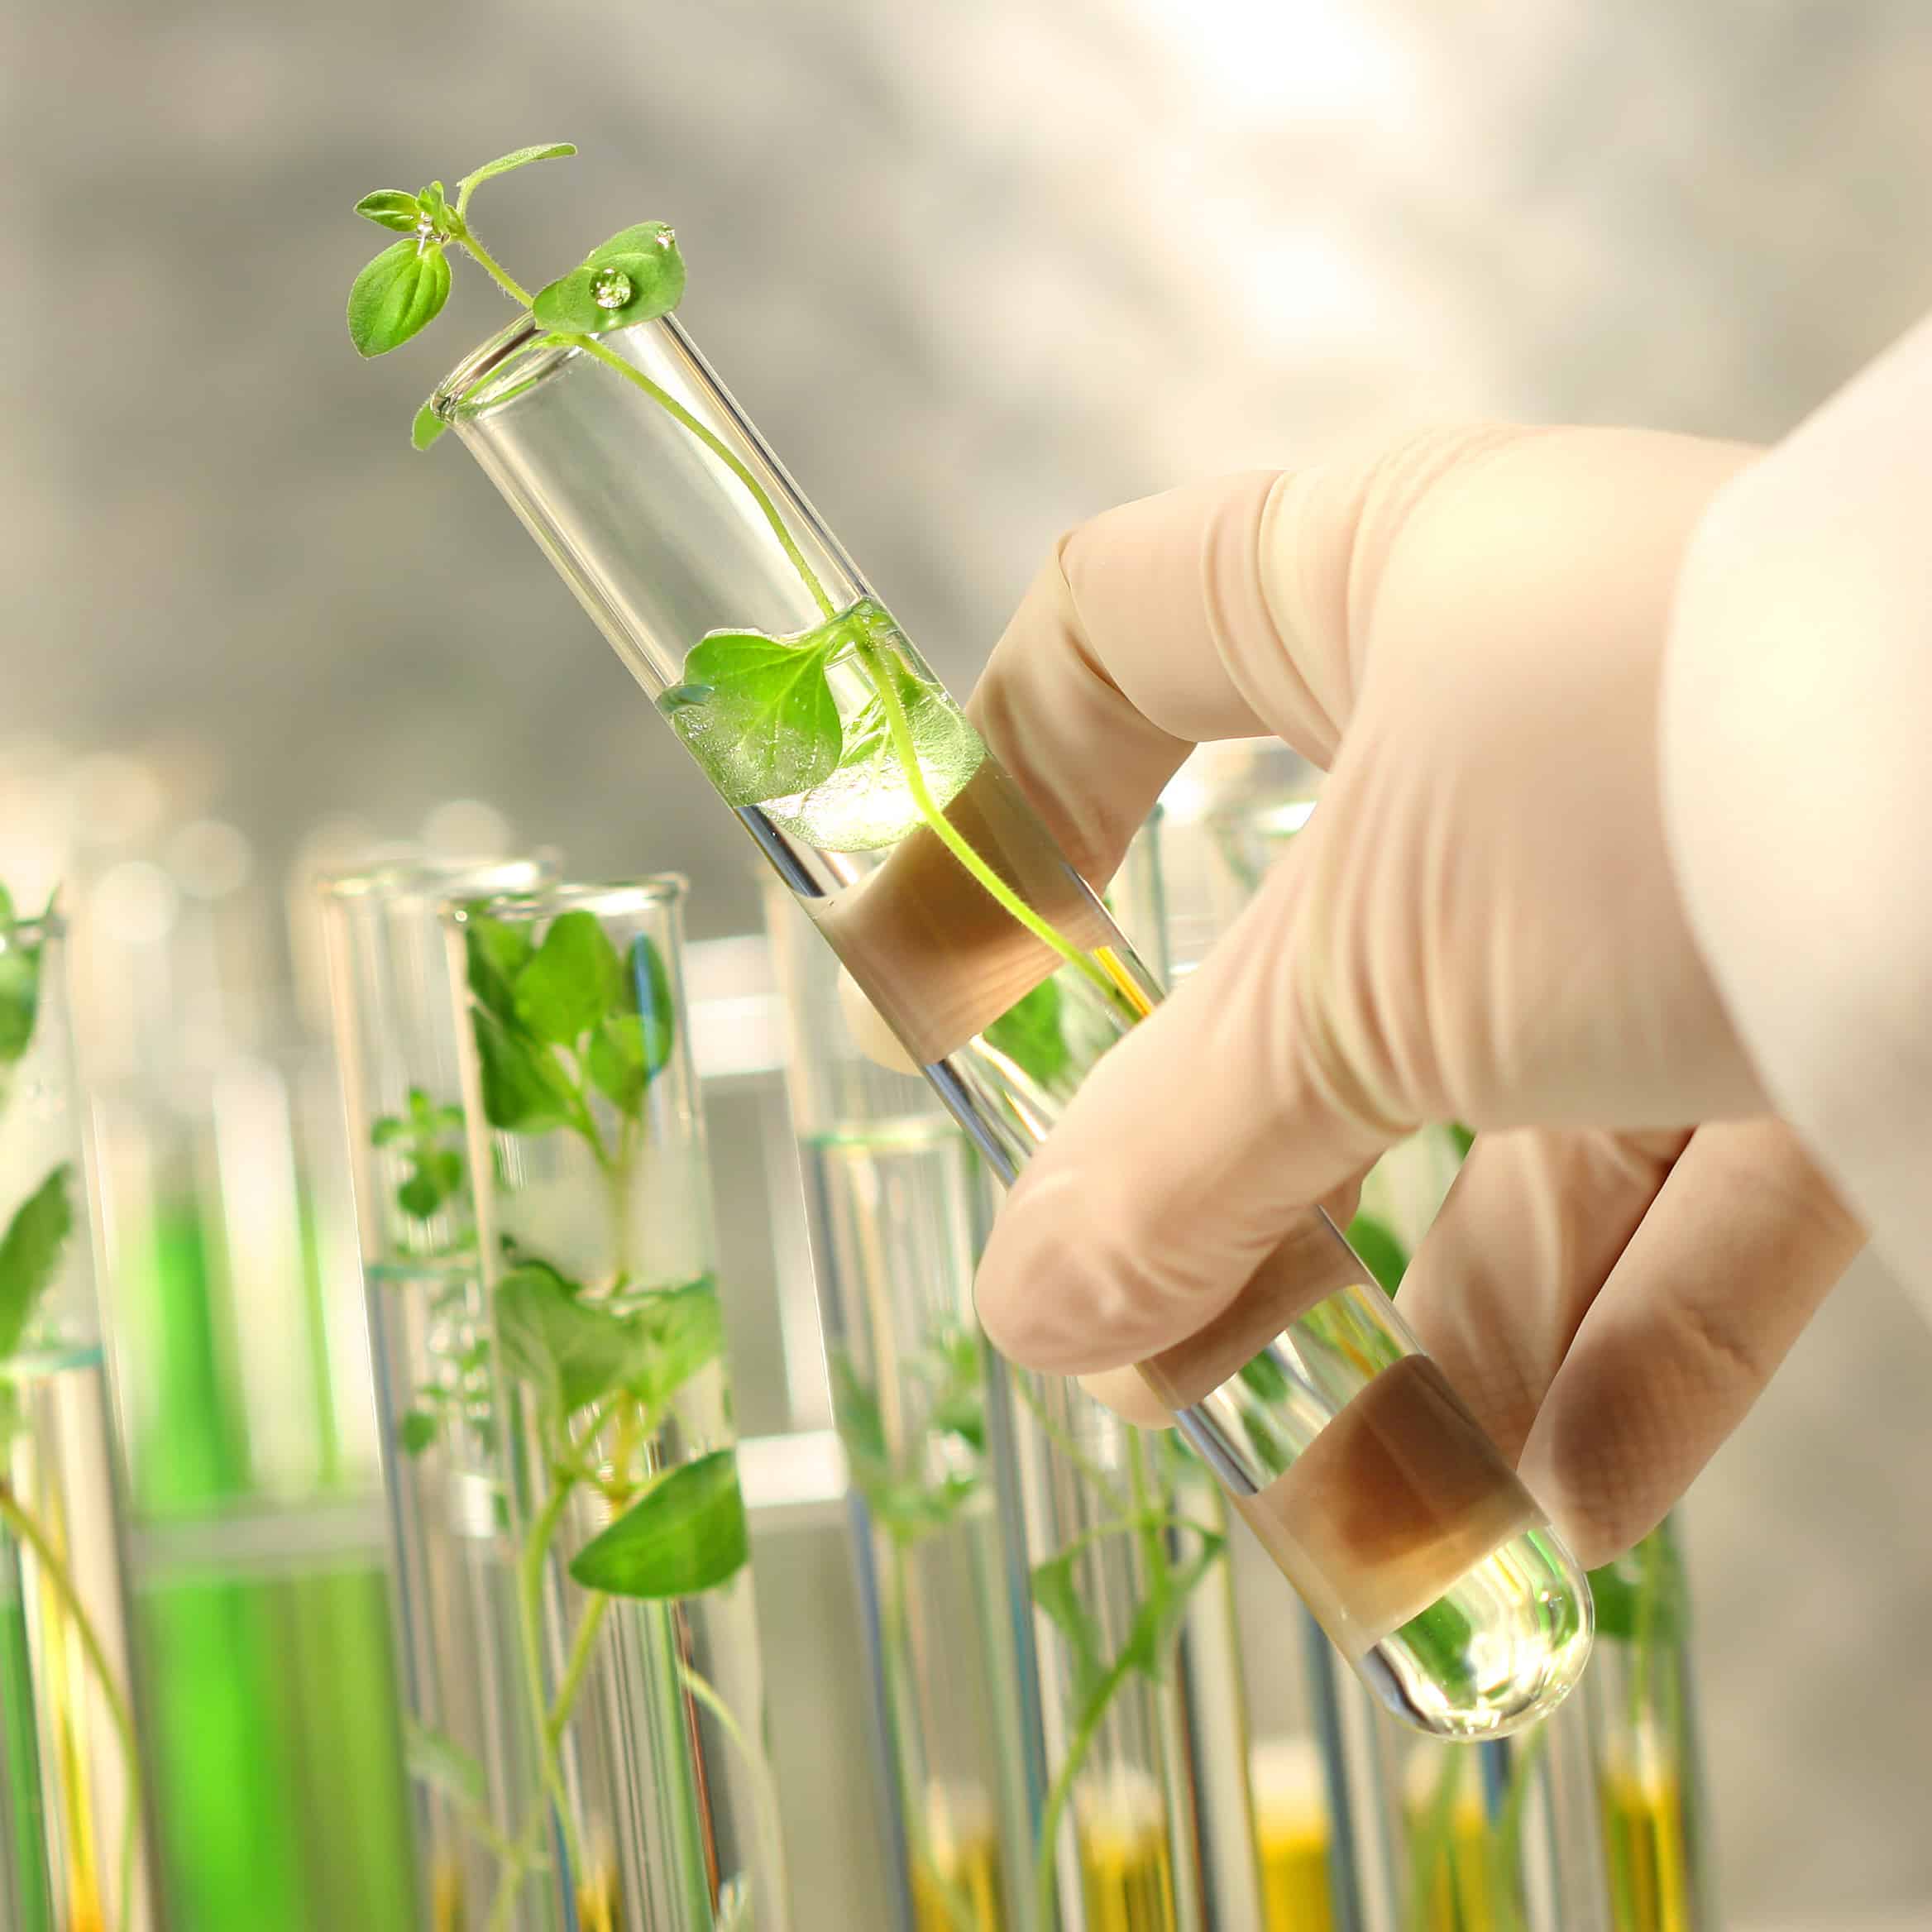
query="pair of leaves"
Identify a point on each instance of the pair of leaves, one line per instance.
(29, 1253)
(402, 290)
(907, 1504)
(685, 1533)
(636, 276)
(573, 1352)
(436, 1172)
(614, 1014)
(1157, 1618)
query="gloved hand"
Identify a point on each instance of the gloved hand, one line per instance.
(1480, 922)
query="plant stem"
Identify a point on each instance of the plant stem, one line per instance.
(668, 403)
(461, 231)
(1434, 1850)
(53, 1567)
(724, 452)
(906, 751)
(955, 841)
(764, 1787)
(1523, 1758)
(586, 1641)
(530, 1567)
(1085, 1728)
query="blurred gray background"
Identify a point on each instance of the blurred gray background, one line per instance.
(978, 271)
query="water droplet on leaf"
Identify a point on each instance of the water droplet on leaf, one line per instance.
(612, 289)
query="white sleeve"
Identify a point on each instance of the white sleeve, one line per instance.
(1796, 770)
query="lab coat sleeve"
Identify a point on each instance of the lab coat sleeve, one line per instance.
(1795, 730)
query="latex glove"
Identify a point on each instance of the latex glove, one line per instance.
(1480, 923)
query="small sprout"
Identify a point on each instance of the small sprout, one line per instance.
(391, 207)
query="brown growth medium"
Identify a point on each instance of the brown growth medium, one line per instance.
(932, 949)
(1395, 1500)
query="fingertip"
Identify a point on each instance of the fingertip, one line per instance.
(1126, 1393)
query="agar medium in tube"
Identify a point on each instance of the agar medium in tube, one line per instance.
(1411, 1541)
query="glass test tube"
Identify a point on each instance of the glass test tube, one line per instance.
(949, 903)
(75, 1846)
(1028, 1785)
(894, 1209)
(1594, 1824)
(1638, 1710)
(470, 1736)
(659, 1812)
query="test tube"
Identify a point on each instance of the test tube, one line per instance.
(949, 903)
(76, 1846)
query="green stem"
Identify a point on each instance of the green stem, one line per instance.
(724, 452)
(530, 1569)
(1525, 1757)
(907, 1723)
(906, 751)
(1085, 1728)
(955, 841)
(460, 232)
(1435, 1846)
(764, 1787)
(53, 1567)
(585, 1642)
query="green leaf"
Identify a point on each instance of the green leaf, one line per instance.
(388, 1131)
(1620, 1588)
(1159, 1617)
(1464, 1137)
(1375, 1243)
(433, 204)
(960, 1399)
(391, 207)
(418, 1431)
(442, 1764)
(19, 996)
(418, 1196)
(427, 427)
(866, 804)
(770, 727)
(496, 952)
(640, 238)
(571, 982)
(685, 1534)
(615, 1061)
(520, 158)
(1028, 1033)
(683, 1332)
(6, 909)
(647, 993)
(29, 1253)
(401, 291)
(524, 1090)
(570, 1350)
(1055, 1592)
(907, 1508)
(641, 267)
